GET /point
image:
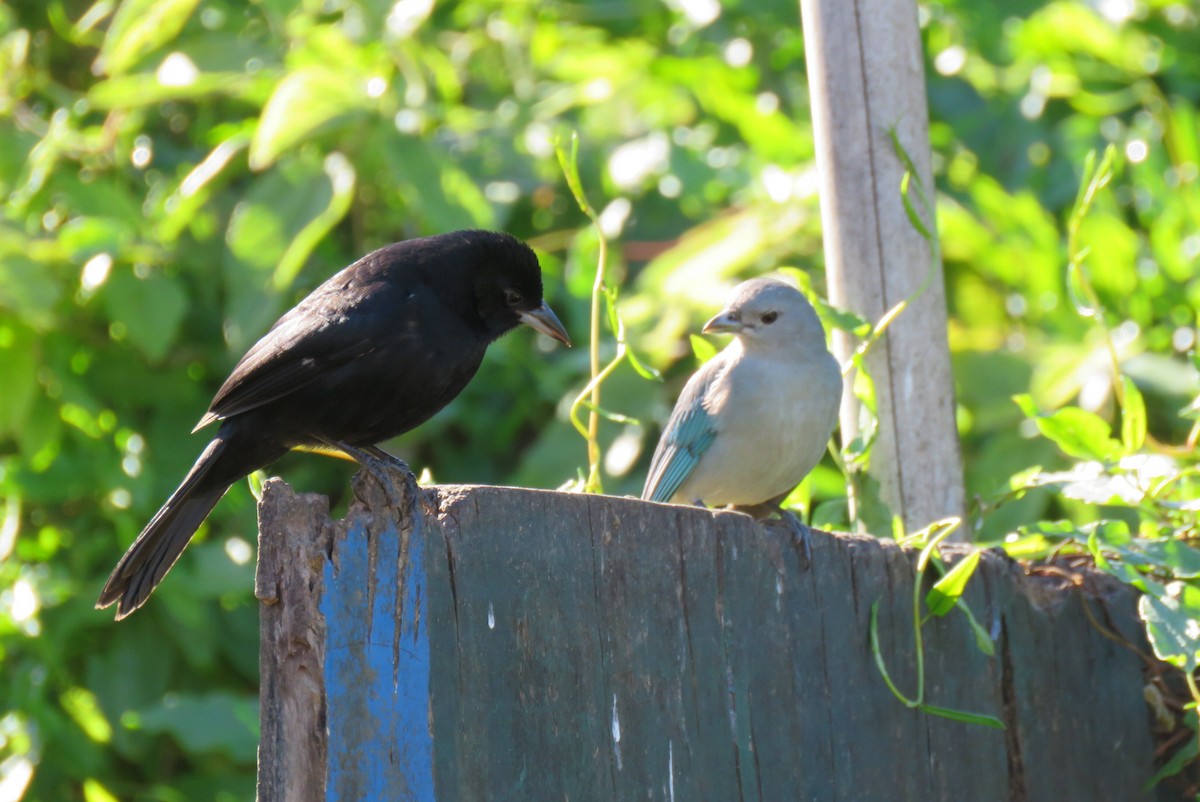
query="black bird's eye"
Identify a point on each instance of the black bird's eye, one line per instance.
(512, 297)
(770, 317)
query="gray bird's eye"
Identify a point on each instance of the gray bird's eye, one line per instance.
(770, 317)
(512, 297)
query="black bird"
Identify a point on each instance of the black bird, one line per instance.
(371, 353)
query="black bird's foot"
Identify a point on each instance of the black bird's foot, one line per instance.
(382, 468)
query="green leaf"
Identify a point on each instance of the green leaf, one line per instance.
(138, 28)
(272, 231)
(210, 723)
(1180, 559)
(983, 640)
(949, 589)
(1076, 431)
(1173, 624)
(28, 290)
(963, 716)
(1133, 417)
(642, 369)
(1182, 757)
(305, 100)
(255, 480)
(841, 319)
(150, 309)
(569, 162)
(1192, 410)
(84, 237)
(138, 90)
(1080, 433)
(340, 173)
(702, 348)
(94, 791)
(18, 376)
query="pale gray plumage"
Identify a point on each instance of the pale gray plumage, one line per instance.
(755, 419)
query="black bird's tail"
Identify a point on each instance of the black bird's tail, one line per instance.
(168, 533)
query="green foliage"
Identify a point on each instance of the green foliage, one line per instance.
(1142, 495)
(177, 173)
(602, 293)
(943, 596)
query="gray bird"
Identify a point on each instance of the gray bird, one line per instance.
(751, 423)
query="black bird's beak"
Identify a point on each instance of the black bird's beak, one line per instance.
(544, 320)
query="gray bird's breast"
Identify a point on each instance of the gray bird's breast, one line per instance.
(774, 420)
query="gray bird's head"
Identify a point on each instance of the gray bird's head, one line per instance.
(767, 311)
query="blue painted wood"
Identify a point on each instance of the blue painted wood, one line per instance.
(377, 663)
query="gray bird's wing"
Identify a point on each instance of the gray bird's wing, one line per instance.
(689, 432)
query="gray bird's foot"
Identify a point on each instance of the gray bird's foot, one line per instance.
(801, 534)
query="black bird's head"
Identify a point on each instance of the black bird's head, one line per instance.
(508, 287)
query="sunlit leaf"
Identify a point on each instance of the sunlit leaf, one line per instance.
(305, 100)
(702, 348)
(340, 173)
(1076, 431)
(94, 791)
(942, 597)
(568, 160)
(81, 705)
(1173, 624)
(138, 28)
(1133, 417)
(144, 89)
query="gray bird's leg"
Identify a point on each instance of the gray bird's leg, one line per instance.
(801, 534)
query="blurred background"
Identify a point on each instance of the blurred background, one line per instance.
(177, 173)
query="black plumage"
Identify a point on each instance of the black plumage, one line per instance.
(373, 352)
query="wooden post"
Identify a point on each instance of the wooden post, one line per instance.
(344, 660)
(866, 78)
(501, 643)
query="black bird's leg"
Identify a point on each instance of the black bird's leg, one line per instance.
(391, 459)
(379, 465)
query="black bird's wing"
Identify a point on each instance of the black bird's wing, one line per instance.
(327, 330)
(287, 358)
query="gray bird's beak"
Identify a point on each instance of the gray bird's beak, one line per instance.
(724, 323)
(544, 320)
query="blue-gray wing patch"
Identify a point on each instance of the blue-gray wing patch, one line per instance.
(689, 433)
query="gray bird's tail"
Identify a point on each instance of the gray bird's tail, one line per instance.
(168, 533)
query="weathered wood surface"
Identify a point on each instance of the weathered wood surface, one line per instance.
(597, 648)
(293, 547)
(866, 77)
